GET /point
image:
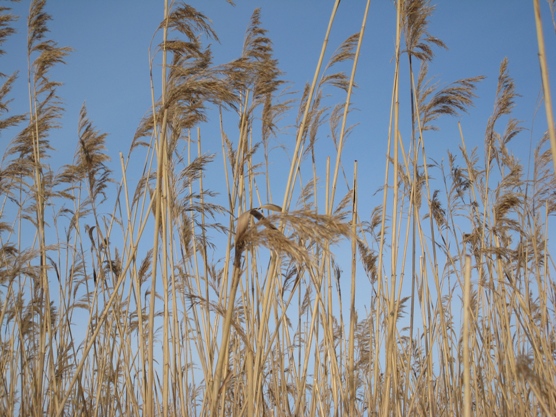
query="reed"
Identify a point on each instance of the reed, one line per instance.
(162, 297)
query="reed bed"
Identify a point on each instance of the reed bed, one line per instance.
(165, 298)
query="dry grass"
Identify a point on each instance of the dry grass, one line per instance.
(154, 298)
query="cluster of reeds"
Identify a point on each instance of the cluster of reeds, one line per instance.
(157, 298)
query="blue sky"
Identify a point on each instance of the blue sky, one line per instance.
(109, 68)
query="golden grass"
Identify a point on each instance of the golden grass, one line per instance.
(154, 298)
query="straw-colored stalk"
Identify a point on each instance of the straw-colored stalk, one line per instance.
(545, 81)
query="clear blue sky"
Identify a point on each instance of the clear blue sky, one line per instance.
(109, 68)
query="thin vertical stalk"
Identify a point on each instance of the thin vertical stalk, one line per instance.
(39, 192)
(390, 342)
(545, 81)
(157, 197)
(466, 330)
(224, 348)
(352, 312)
(299, 139)
(166, 221)
(348, 102)
(380, 278)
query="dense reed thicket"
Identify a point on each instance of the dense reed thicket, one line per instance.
(163, 297)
